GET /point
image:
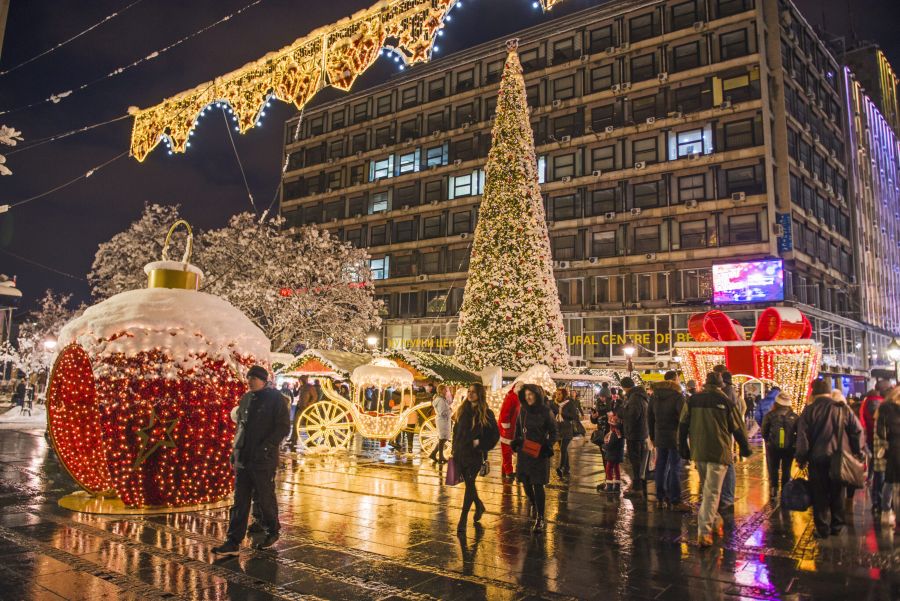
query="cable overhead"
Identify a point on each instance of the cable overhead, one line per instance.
(41, 265)
(84, 175)
(60, 136)
(240, 164)
(71, 39)
(58, 97)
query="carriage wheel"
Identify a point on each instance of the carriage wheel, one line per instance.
(327, 426)
(428, 436)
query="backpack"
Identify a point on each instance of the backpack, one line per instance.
(783, 431)
(490, 435)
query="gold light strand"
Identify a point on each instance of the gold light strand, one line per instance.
(335, 55)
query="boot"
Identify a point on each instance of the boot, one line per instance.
(479, 511)
(538, 524)
(461, 526)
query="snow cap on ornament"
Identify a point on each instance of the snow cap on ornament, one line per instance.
(173, 274)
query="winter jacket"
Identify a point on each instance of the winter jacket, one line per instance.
(468, 457)
(733, 396)
(509, 412)
(819, 430)
(773, 422)
(711, 422)
(888, 427)
(536, 423)
(634, 415)
(443, 413)
(264, 420)
(569, 414)
(665, 408)
(867, 411)
(765, 405)
(307, 396)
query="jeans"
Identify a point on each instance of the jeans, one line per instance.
(535, 494)
(564, 454)
(877, 489)
(637, 457)
(727, 495)
(826, 496)
(668, 475)
(258, 485)
(713, 476)
(779, 461)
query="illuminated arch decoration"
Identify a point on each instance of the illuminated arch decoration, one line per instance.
(335, 55)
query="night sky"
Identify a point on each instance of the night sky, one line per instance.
(62, 230)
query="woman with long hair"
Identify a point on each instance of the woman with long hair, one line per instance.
(442, 403)
(535, 434)
(473, 418)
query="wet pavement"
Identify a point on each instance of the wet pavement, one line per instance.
(372, 526)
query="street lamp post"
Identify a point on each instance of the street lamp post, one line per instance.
(893, 353)
(629, 351)
(372, 341)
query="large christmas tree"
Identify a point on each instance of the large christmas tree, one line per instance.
(510, 316)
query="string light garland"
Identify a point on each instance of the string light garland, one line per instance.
(140, 399)
(334, 56)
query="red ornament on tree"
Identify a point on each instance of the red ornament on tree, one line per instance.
(139, 399)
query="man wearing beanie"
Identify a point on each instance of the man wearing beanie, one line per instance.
(709, 421)
(263, 421)
(636, 432)
(819, 432)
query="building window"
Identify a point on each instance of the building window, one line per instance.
(336, 149)
(405, 231)
(383, 105)
(360, 112)
(409, 97)
(565, 126)
(738, 88)
(686, 56)
(381, 169)
(563, 166)
(465, 114)
(431, 227)
(609, 289)
(645, 150)
(648, 194)
(354, 237)
(384, 136)
(402, 266)
(407, 302)
(436, 301)
(465, 80)
(409, 129)
(684, 15)
(379, 203)
(642, 28)
(642, 108)
(602, 38)
(380, 268)
(470, 184)
(436, 122)
(495, 71)
(359, 143)
(646, 239)
(689, 99)
(317, 125)
(564, 248)
(603, 244)
(530, 60)
(337, 120)
(643, 67)
(378, 235)
(604, 201)
(406, 196)
(651, 286)
(464, 150)
(333, 180)
(739, 134)
(563, 50)
(434, 191)
(564, 207)
(459, 259)
(334, 210)
(431, 262)
(436, 89)
(564, 88)
(409, 163)
(744, 179)
(692, 187)
(693, 234)
(603, 159)
(696, 284)
(601, 78)
(733, 44)
(462, 222)
(571, 292)
(692, 142)
(356, 206)
(356, 174)
(436, 156)
(602, 117)
(743, 229)
(730, 7)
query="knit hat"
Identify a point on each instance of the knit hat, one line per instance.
(258, 371)
(627, 382)
(783, 400)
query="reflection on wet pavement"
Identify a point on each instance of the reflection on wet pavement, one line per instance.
(375, 526)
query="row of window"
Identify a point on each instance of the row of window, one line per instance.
(818, 166)
(729, 45)
(822, 247)
(817, 127)
(805, 195)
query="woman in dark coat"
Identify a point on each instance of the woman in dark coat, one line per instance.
(888, 429)
(536, 424)
(569, 415)
(472, 419)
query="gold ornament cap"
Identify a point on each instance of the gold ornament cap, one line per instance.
(179, 275)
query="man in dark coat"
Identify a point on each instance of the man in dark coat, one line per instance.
(821, 426)
(263, 421)
(636, 433)
(305, 397)
(665, 408)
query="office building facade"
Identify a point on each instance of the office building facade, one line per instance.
(672, 135)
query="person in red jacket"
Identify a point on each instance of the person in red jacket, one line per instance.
(509, 413)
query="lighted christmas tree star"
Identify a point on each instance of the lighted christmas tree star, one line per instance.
(154, 437)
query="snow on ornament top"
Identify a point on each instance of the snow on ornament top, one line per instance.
(170, 315)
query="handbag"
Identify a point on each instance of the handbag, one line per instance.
(485, 469)
(454, 474)
(845, 467)
(529, 447)
(796, 495)
(597, 437)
